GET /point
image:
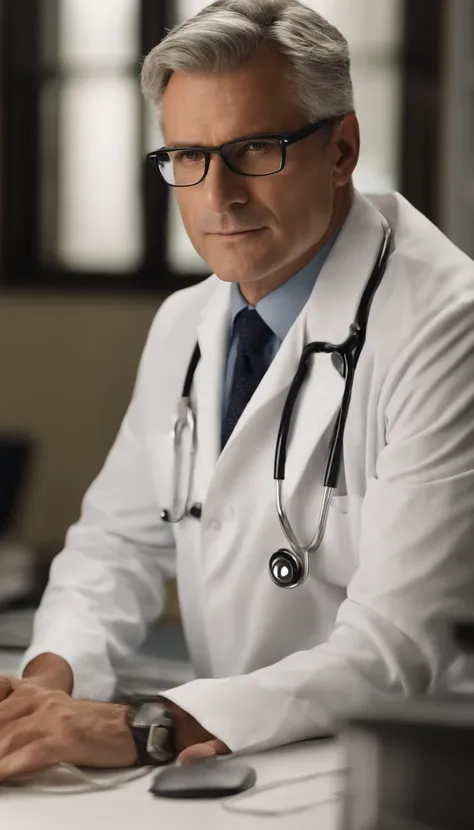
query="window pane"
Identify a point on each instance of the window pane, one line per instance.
(368, 26)
(100, 34)
(181, 255)
(188, 8)
(152, 133)
(377, 97)
(99, 199)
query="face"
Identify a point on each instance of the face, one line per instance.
(286, 217)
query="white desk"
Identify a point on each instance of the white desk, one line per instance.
(132, 807)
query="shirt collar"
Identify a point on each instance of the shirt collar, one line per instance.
(280, 308)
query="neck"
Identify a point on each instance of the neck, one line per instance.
(256, 291)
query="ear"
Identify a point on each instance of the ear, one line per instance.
(346, 144)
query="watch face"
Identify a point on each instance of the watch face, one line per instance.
(158, 744)
(149, 713)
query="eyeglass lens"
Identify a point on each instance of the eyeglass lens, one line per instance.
(251, 158)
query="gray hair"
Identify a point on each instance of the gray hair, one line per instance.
(226, 33)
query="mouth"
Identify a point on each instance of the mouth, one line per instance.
(239, 234)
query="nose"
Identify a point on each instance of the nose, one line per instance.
(223, 188)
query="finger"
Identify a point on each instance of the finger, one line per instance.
(5, 688)
(16, 706)
(14, 685)
(200, 752)
(18, 683)
(31, 758)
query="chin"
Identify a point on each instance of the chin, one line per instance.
(244, 269)
(241, 274)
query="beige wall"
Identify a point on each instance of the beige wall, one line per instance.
(67, 368)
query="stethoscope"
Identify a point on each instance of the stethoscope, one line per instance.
(288, 567)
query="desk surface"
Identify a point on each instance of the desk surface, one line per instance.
(132, 805)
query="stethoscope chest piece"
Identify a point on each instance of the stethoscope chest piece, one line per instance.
(286, 569)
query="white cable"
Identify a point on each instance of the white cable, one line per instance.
(230, 803)
(89, 783)
(85, 782)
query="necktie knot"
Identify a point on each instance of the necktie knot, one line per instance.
(252, 332)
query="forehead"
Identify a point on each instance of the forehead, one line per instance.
(210, 108)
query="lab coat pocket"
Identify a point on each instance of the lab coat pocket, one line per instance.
(340, 503)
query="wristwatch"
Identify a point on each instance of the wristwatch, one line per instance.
(152, 728)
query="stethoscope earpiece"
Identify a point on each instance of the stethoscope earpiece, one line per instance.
(286, 569)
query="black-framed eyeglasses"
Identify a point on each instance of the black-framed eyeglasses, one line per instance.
(257, 155)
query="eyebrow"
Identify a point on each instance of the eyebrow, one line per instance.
(177, 146)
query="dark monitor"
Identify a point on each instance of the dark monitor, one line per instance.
(15, 457)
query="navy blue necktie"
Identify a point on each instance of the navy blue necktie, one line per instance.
(252, 335)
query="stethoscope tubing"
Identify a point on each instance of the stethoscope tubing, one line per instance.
(349, 352)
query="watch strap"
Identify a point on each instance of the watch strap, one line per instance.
(141, 734)
(140, 738)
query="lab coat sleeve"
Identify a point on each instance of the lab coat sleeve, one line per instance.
(107, 585)
(416, 563)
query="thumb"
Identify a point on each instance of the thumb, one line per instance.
(201, 752)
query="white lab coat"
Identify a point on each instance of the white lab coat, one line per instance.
(397, 561)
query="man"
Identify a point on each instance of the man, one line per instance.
(292, 247)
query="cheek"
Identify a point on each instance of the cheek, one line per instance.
(306, 204)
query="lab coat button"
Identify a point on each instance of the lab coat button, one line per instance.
(214, 524)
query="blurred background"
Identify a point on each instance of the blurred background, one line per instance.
(90, 239)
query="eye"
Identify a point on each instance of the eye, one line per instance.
(257, 147)
(188, 156)
(249, 150)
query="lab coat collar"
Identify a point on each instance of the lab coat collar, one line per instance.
(327, 315)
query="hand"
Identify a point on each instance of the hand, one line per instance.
(40, 727)
(7, 684)
(193, 742)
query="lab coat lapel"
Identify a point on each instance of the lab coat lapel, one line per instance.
(212, 335)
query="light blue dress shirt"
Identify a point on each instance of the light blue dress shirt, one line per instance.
(279, 310)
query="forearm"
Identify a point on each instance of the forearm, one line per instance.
(85, 625)
(51, 671)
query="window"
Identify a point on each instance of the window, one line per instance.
(90, 142)
(81, 209)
